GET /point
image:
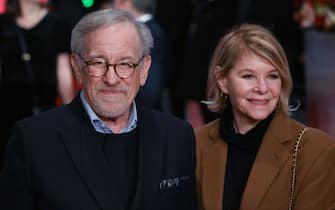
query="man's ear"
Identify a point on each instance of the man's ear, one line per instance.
(221, 79)
(76, 67)
(144, 71)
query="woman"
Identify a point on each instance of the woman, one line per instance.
(35, 64)
(244, 159)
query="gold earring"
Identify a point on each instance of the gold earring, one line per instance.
(224, 95)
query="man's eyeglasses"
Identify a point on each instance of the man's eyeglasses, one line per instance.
(98, 67)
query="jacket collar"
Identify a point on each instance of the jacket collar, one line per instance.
(271, 157)
(91, 165)
(152, 138)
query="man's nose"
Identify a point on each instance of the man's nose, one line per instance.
(110, 76)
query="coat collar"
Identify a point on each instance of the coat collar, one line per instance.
(152, 138)
(92, 166)
(270, 158)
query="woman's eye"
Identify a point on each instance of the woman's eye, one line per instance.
(247, 76)
(274, 76)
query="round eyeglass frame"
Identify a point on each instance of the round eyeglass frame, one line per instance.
(89, 63)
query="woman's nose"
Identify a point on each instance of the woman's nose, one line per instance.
(261, 86)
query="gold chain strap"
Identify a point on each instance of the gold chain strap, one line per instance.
(294, 166)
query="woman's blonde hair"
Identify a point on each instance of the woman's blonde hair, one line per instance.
(241, 40)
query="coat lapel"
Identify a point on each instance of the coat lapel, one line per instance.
(270, 158)
(151, 152)
(88, 157)
(214, 168)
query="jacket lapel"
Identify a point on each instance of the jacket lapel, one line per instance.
(88, 157)
(270, 158)
(214, 168)
(151, 152)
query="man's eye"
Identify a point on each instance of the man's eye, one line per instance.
(128, 65)
(98, 63)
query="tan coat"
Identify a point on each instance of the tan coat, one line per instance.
(268, 186)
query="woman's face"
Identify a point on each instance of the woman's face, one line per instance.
(253, 86)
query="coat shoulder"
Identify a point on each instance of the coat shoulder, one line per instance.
(208, 133)
(50, 117)
(317, 143)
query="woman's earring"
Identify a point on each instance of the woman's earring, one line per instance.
(224, 95)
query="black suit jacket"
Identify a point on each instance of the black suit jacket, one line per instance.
(53, 164)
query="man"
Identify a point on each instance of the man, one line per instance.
(154, 94)
(102, 151)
